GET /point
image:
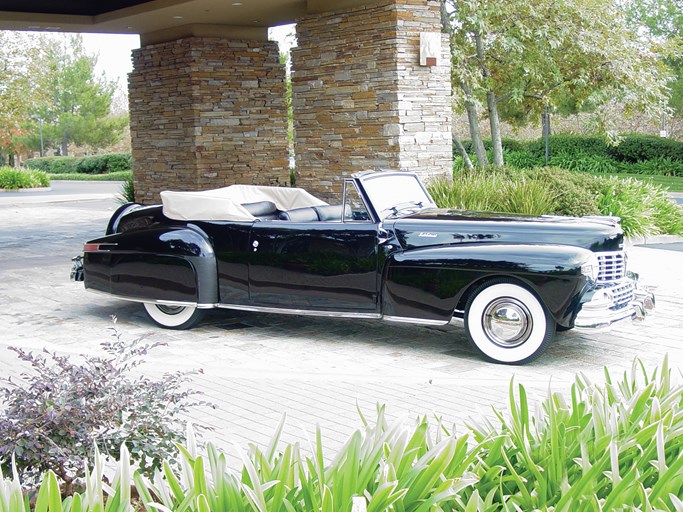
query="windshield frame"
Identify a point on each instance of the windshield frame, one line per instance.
(376, 186)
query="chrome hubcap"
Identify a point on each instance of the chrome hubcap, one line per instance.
(170, 310)
(507, 322)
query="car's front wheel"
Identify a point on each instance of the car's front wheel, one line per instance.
(173, 317)
(507, 323)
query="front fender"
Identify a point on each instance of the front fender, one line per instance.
(176, 264)
(432, 283)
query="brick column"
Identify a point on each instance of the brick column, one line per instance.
(362, 100)
(207, 112)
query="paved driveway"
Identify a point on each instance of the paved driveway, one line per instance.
(258, 366)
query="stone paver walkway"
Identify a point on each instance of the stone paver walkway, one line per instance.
(257, 366)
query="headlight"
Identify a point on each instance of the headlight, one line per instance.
(591, 268)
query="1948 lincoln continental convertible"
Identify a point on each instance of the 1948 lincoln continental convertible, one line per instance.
(386, 252)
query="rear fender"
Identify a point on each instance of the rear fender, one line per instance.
(432, 283)
(113, 225)
(175, 264)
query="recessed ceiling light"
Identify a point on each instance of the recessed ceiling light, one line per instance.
(178, 17)
(237, 3)
(33, 27)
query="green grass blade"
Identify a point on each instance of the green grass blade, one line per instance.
(202, 504)
(328, 501)
(670, 482)
(272, 446)
(54, 496)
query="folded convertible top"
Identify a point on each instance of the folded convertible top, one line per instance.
(226, 203)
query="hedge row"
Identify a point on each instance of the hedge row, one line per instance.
(632, 148)
(101, 164)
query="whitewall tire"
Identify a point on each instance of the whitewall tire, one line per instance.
(173, 317)
(507, 323)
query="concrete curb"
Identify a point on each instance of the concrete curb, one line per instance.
(656, 239)
(22, 201)
(20, 190)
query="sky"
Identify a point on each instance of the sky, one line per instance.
(113, 54)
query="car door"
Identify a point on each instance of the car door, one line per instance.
(316, 266)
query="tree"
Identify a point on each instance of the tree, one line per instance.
(663, 19)
(51, 78)
(79, 101)
(519, 57)
(16, 73)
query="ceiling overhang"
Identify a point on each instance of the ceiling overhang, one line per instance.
(157, 20)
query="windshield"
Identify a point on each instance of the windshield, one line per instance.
(393, 193)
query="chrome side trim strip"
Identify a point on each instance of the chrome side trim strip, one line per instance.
(150, 301)
(285, 311)
(305, 312)
(408, 320)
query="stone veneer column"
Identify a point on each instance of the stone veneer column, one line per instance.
(207, 112)
(362, 100)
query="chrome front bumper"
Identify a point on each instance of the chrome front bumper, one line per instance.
(601, 311)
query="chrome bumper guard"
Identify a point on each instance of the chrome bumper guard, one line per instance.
(602, 311)
(77, 269)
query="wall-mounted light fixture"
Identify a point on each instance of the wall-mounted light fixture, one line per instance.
(430, 48)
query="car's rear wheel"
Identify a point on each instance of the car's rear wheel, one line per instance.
(507, 323)
(173, 317)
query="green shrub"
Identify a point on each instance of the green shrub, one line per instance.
(644, 208)
(52, 417)
(111, 162)
(91, 165)
(53, 164)
(117, 162)
(653, 167)
(127, 192)
(667, 216)
(468, 191)
(615, 446)
(585, 163)
(635, 203)
(572, 145)
(508, 145)
(639, 148)
(15, 179)
(522, 160)
(575, 194)
(502, 190)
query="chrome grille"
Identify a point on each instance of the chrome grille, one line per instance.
(612, 266)
(622, 294)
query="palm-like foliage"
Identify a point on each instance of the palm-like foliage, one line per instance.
(612, 446)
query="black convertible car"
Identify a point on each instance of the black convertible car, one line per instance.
(386, 252)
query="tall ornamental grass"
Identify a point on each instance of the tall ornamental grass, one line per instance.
(645, 209)
(493, 192)
(611, 446)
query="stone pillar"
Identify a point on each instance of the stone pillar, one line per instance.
(361, 98)
(207, 112)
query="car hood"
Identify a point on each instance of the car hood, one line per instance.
(433, 227)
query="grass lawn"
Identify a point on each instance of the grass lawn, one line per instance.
(673, 183)
(112, 176)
